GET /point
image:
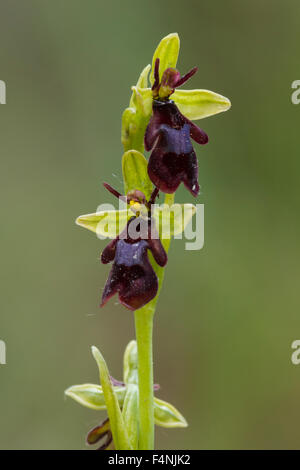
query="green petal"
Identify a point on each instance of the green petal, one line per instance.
(198, 104)
(119, 432)
(106, 224)
(130, 363)
(167, 51)
(130, 413)
(172, 220)
(167, 416)
(135, 175)
(92, 396)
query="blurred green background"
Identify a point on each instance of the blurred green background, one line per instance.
(228, 314)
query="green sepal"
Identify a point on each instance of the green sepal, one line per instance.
(118, 429)
(92, 396)
(167, 416)
(135, 174)
(199, 104)
(172, 220)
(167, 52)
(106, 224)
(193, 104)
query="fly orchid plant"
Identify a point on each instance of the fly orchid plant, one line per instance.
(140, 242)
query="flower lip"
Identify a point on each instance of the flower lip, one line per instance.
(132, 276)
(173, 161)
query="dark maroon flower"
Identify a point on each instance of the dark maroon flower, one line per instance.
(132, 275)
(168, 134)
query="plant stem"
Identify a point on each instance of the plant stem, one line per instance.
(143, 329)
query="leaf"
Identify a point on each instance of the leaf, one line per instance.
(198, 104)
(167, 416)
(119, 432)
(92, 396)
(130, 413)
(167, 52)
(130, 363)
(172, 220)
(106, 224)
(135, 174)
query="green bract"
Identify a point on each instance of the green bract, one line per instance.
(130, 413)
(118, 428)
(135, 174)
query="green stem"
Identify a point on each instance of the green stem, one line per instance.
(144, 328)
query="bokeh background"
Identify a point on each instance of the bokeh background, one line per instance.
(228, 314)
